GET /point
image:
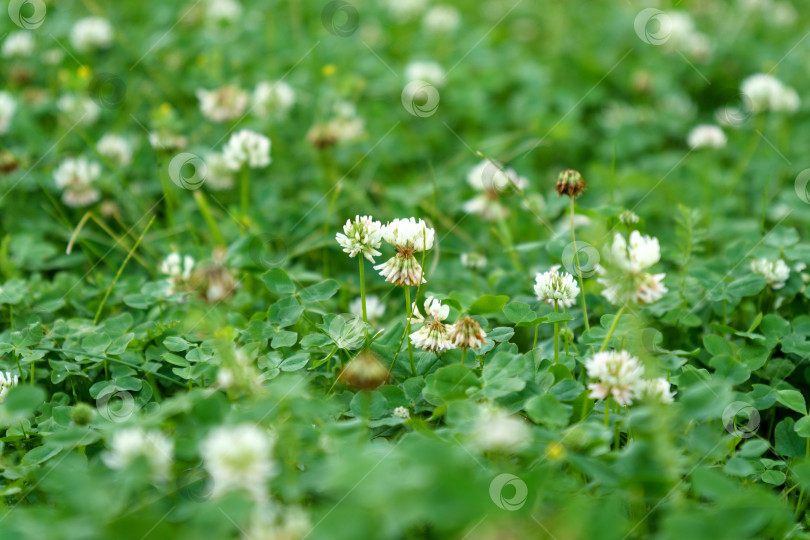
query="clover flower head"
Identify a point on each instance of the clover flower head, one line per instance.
(467, 333)
(247, 148)
(623, 274)
(223, 104)
(18, 44)
(75, 177)
(7, 108)
(765, 92)
(617, 375)
(115, 148)
(7, 381)
(706, 136)
(237, 458)
(496, 429)
(556, 288)
(433, 336)
(362, 236)
(409, 234)
(91, 33)
(131, 443)
(656, 390)
(776, 272)
(275, 97)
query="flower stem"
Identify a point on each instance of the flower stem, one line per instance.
(579, 269)
(363, 292)
(408, 329)
(245, 191)
(556, 339)
(612, 328)
(607, 412)
(205, 210)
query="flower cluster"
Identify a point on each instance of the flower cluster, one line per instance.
(247, 148)
(619, 375)
(362, 236)
(223, 104)
(115, 148)
(624, 276)
(238, 458)
(776, 272)
(408, 237)
(273, 98)
(706, 136)
(558, 289)
(178, 269)
(75, 177)
(7, 381)
(765, 92)
(437, 336)
(7, 108)
(91, 33)
(129, 444)
(491, 180)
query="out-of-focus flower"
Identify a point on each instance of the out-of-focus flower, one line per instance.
(406, 10)
(7, 108)
(617, 375)
(213, 280)
(247, 148)
(131, 443)
(570, 183)
(776, 272)
(115, 148)
(221, 12)
(364, 372)
(430, 72)
(496, 429)
(402, 412)
(491, 180)
(657, 390)
(18, 44)
(239, 458)
(91, 33)
(467, 333)
(624, 276)
(706, 136)
(473, 261)
(442, 19)
(223, 104)
(178, 269)
(218, 176)
(765, 92)
(75, 177)
(7, 381)
(78, 110)
(375, 309)
(273, 98)
(167, 141)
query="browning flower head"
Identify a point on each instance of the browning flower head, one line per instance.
(570, 183)
(466, 333)
(8, 163)
(364, 372)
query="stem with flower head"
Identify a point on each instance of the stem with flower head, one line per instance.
(363, 293)
(579, 270)
(408, 328)
(556, 338)
(612, 328)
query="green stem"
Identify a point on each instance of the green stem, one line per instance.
(612, 328)
(556, 339)
(363, 292)
(579, 269)
(536, 331)
(408, 329)
(607, 412)
(205, 210)
(245, 192)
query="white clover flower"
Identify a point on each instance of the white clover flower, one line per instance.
(91, 33)
(402, 412)
(178, 269)
(657, 390)
(78, 110)
(75, 177)
(115, 148)
(409, 233)
(219, 176)
(489, 176)
(467, 333)
(18, 44)
(430, 72)
(219, 12)
(496, 429)
(7, 108)
(776, 272)
(247, 148)
(767, 93)
(628, 217)
(617, 374)
(682, 34)
(238, 458)
(375, 309)
(167, 141)
(131, 443)
(555, 288)
(405, 10)
(362, 236)
(730, 117)
(273, 98)
(408, 236)
(279, 523)
(474, 261)
(623, 276)
(434, 334)
(442, 19)
(706, 136)
(7, 381)
(222, 104)
(53, 57)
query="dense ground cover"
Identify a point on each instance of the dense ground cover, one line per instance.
(406, 269)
